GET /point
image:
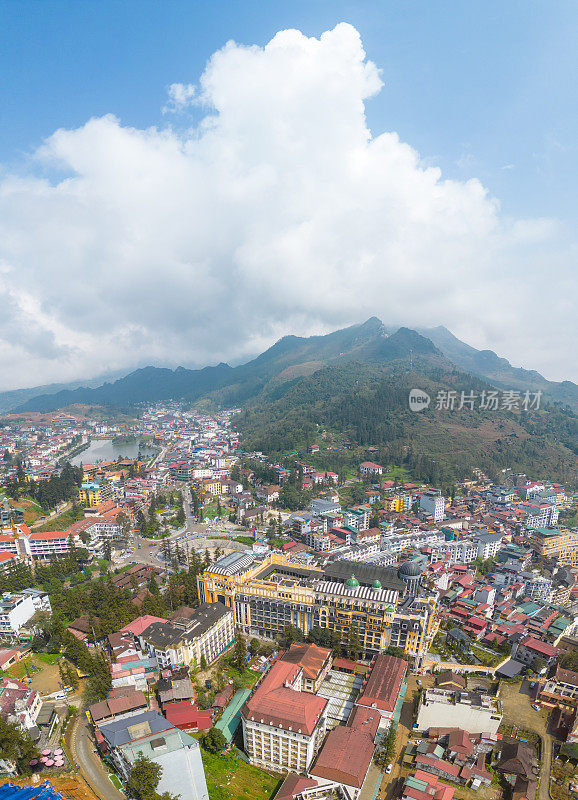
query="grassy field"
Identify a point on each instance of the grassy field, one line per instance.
(210, 512)
(48, 658)
(32, 510)
(231, 778)
(391, 472)
(60, 523)
(21, 669)
(487, 659)
(115, 781)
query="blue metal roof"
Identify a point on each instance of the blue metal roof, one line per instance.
(117, 732)
(43, 791)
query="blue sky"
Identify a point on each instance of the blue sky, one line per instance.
(485, 89)
(129, 235)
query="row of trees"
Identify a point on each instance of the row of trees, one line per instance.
(50, 576)
(60, 486)
(16, 745)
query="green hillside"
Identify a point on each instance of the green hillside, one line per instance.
(359, 405)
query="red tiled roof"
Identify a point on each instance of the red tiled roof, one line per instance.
(277, 705)
(384, 683)
(117, 705)
(188, 715)
(293, 785)
(427, 761)
(35, 537)
(543, 648)
(345, 756)
(309, 657)
(140, 624)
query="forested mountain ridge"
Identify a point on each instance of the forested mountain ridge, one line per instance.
(359, 406)
(292, 357)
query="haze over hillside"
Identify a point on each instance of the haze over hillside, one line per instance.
(371, 343)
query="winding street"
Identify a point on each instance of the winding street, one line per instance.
(90, 765)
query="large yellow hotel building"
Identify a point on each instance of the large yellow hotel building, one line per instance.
(381, 605)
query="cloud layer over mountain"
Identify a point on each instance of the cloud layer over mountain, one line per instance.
(279, 212)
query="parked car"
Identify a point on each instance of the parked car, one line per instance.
(537, 707)
(388, 769)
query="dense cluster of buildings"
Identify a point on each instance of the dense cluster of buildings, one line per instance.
(490, 571)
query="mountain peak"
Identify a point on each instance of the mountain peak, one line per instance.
(372, 324)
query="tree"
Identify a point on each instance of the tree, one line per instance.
(354, 648)
(203, 662)
(538, 664)
(213, 741)
(239, 659)
(254, 646)
(569, 660)
(357, 493)
(291, 633)
(107, 552)
(320, 636)
(397, 652)
(99, 681)
(16, 745)
(144, 778)
(124, 523)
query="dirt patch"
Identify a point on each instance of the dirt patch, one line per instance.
(517, 708)
(70, 787)
(45, 678)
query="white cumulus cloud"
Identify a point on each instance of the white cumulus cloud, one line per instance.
(281, 212)
(180, 96)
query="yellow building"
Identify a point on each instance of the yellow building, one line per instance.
(393, 504)
(91, 494)
(561, 544)
(212, 486)
(272, 592)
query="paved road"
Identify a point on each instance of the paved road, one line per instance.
(90, 764)
(543, 792)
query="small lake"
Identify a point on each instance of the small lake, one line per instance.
(108, 450)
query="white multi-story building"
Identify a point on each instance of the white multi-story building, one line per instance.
(472, 712)
(370, 468)
(283, 726)
(540, 515)
(105, 529)
(190, 634)
(434, 503)
(357, 518)
(501, 497)
(7, 560)
(488, 544)
(396, 542)
(8, 543)
(460, 552)
(17, 609)
(539, 588)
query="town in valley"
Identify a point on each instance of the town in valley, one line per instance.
(219, 618)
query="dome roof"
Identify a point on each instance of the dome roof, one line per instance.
(352, 583)
(376, 584)
(409, 569)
